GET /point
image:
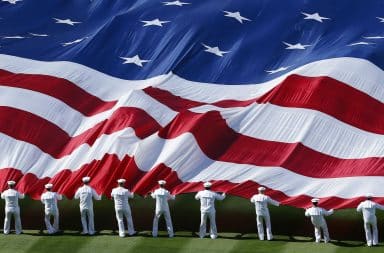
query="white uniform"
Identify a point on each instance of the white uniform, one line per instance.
(86, 194)
(49, 199)
(368, 208)
(317, 218)
(162, 196)
(122, 208)
(207, 209)
(261, 202)
(12, 197)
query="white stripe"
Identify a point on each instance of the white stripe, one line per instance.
(354, 72)
(30, 159)
(94, 82)
(313, 129)
(358, 73)
(73, 122)
(184, 156)
(135, 98)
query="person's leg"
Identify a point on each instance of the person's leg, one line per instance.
(213, 228)
(260, 226)
(120, 222)
(325, 232)
(47, 217)
(83, 213)
(7, 221)
(267, 220)
(56, 221)
(128, 217)
(203, 225)
(168, 222)
(18, 227)
(317, 234)
(155, 226)
(91, 222)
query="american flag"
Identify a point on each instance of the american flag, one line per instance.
(284, 94)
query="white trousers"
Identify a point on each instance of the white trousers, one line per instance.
(203, 224)
(260, 219)
(371, 233)
(120, 214)
(88, 227)
(168, 222)
(318, 229)
(47, 219)
(7, 221)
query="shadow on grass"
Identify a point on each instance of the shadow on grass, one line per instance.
(192, 234)
(71, 233)
(347, 244)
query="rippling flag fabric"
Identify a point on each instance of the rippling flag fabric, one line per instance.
(284, 94)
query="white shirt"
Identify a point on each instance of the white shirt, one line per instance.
(207, 200)
(121, 196)
(85, 194)
(261, 202)
(369, 209)
(11, 197)
(317, 215)
(49, 199)
(162, 196)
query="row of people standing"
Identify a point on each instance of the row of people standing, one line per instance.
(86, 194)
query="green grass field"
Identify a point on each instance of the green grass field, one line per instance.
(235, 217)
(184, 242)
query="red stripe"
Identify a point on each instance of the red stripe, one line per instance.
(331, 97)
(323, 94)
(220, 142)
(51, 139)
(59, 88)
(103, 180)
(179, 104)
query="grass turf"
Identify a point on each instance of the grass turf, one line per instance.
(184, 242)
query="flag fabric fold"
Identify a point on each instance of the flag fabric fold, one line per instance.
(239, 93)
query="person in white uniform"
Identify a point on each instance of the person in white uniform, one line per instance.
(207, 209)
(162, 196)
(121, 195)
(261, 202)
(11, 197)
(49, 199)
(86, 193)
(368, 207)
(317, 218)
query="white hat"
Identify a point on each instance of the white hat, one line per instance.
(48, 186)
(86, 179)
(315, 200)
(207, 184)
(261, 188)
(368, 195)
(11, 182)
(162, 182)
(121, 181)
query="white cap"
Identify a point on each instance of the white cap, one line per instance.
(11, 182)
(162, 182)
(86, 179)
(121, 181)
(315, 200)
(48, 186)
(368, 195)
(261, 188)
(207, 184)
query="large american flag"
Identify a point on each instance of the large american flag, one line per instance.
(284, 94)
